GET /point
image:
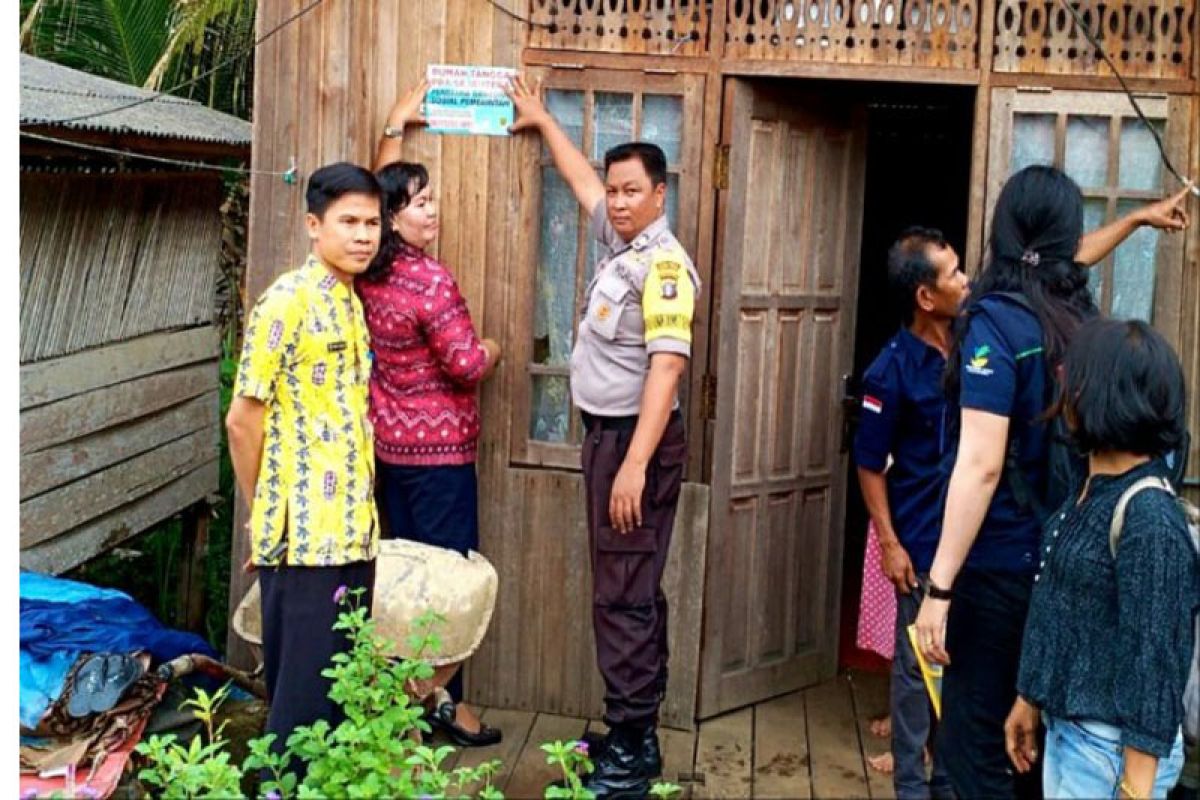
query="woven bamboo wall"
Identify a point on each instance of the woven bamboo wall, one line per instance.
(105, 258)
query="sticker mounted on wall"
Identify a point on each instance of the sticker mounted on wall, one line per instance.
(468, 100)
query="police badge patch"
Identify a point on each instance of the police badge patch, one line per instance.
(669, 290)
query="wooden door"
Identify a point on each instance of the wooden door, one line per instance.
(791, 221)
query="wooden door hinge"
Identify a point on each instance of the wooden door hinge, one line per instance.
(708, 396)
(721, 167)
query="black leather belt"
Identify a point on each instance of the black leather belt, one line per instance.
(627, 424)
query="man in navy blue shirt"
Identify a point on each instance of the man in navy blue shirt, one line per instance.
(903, 422)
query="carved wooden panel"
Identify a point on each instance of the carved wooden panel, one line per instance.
(673, 27)
(1145, 38)
(925, 33)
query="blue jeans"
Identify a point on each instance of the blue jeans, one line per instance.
(1085, 758)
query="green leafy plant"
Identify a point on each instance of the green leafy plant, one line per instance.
(572, 759)
(199, 769)
(375, 751)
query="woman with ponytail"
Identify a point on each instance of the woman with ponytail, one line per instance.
(1030, 299)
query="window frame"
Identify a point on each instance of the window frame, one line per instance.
(1171, 111)
(689, 87)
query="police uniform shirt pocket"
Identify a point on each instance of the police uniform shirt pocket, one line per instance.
(608, 302)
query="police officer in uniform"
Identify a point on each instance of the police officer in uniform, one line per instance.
(631, 351)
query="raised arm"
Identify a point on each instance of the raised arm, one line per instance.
(571, 164)
(1169, 214)
(406, 111)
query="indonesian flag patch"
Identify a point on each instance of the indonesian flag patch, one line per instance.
(872, 404)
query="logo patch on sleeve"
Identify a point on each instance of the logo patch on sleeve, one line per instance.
(978, 365)
(873, 404)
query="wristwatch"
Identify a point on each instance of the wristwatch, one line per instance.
(938, 593)
(393, 133)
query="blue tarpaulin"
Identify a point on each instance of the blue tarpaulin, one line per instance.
(62, 619)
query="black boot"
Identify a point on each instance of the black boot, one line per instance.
(597, 742)
(627, 763)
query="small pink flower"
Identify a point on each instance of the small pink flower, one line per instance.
(274, 793)
(340, 594)
(581, 747)
(29, 794)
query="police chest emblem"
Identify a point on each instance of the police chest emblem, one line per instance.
(669, 290)
(603, 312)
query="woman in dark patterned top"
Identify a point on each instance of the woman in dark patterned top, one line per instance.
(1109, 639)
(428, 362)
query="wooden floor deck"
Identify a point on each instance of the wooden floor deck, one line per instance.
(808, 744)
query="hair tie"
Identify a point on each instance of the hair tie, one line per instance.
(1031, 258)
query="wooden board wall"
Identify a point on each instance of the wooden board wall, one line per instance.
(114, 440)
(323, 89)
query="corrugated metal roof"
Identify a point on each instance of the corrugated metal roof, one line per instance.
(51, 92)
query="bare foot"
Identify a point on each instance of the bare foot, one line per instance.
(882, 763)
(881, 726)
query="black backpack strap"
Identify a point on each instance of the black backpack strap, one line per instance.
(1027, 499)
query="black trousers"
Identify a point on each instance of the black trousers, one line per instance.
(298, 612)
(983, 638)
(629, 609)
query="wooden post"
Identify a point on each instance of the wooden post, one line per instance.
(193, 553)
(237, 651)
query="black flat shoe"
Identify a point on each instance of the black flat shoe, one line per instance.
(443, 718)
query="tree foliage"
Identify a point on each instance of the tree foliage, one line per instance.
(199, 49)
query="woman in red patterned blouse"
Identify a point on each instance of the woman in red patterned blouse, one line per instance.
(428, 362)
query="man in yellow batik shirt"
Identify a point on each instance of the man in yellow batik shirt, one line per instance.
(302, 446)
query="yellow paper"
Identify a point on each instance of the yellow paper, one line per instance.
(932, 673)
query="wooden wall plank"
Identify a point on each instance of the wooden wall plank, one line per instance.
(46, 469)
(87, 413)
(724, 755)
(682, 586)
(73, 548)
(57, 378)
(54, 512)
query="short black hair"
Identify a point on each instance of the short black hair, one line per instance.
(1123, 389)
(909, 267)
(332, 181)
(651, 155)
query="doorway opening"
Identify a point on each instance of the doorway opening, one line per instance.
(918, 173)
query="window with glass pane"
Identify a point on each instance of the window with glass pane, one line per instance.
(1115, 161)
(596, 121)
